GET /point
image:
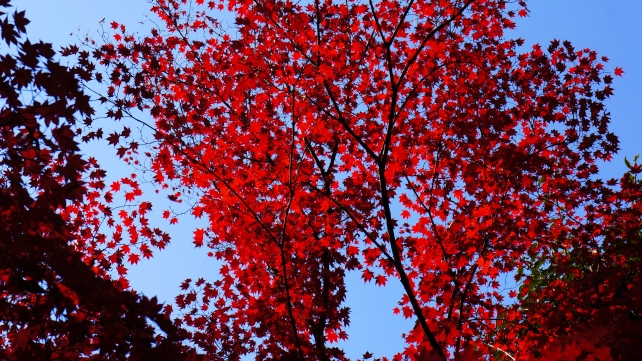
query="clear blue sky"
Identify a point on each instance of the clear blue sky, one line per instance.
(613, 28)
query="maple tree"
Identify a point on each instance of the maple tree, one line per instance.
(404, 140)
(54, 303)
(408, 141)
(303, 127)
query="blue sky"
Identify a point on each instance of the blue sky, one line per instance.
(613, 28)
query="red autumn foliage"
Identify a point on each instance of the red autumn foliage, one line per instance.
(53, 303)
(408, 141)
(306, 130)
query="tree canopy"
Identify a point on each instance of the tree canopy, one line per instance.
(408, 141)
(55, 303)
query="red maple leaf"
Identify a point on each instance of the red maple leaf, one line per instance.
(113, 138)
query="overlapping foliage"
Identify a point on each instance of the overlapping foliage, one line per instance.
(303, 127)
(53, 305)
(408, 141)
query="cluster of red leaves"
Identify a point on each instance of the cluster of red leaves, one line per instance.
(308, 129)
(586, 303)
(54, 305)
